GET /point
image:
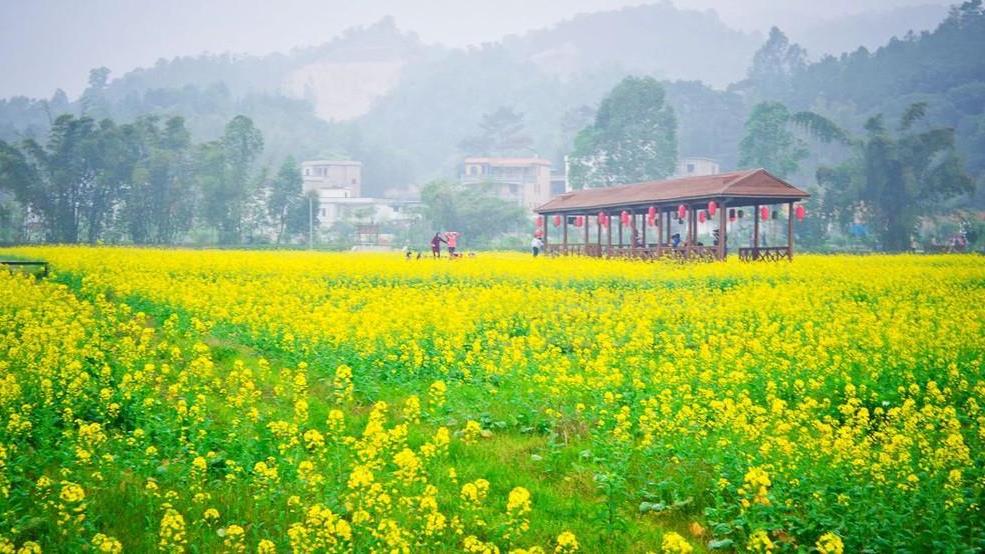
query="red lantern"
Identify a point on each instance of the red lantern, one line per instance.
(538, 233)
(764, 213)
(651, 213)
(603, 221)
(681, 211)
(557, 221)
(701, 216)
(800, 212)
(651, 221)
(540, 222)
(579, 221)
(624, 218)
(712, 207)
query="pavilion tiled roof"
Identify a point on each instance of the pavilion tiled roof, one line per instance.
(748, 184)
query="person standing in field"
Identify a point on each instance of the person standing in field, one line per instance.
(436, 244)
(535, 245)
(451, 237)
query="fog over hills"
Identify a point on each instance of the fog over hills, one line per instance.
(655, 38)
(382, 94)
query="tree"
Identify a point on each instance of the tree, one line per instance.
(894, 180)
(94, 102)
(501, 134)
(224, 167)
(474, 211)
(769, 143)
(55, 180)
(633, 138)
(285, 195)
(159, 203)
(775, 65)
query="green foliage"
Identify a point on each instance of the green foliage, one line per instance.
(633, 138)
(473, 211)
(769, 143)
(893, 180)
(501, 133)
(285, 196)
(775, 64)
(224, 166)
(137, 181)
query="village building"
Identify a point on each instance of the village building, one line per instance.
(525, 181)
(337, 185)
(696, 167)
(337, 175)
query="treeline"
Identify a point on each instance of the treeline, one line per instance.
(147, 182)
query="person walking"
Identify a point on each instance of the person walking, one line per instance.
(535, 245)
(451, 238)
(436, 244)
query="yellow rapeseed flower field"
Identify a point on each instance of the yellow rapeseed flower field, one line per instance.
(182, 400)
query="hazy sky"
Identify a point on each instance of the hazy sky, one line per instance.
(46, 44)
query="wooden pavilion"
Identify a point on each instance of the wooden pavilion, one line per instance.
(673, 218)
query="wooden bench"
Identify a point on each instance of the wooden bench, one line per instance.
(27, 263)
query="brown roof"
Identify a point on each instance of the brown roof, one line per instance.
(506, 161)
(746, 185)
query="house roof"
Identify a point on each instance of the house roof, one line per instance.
(331, 162)
(506, 161)
(738, 187)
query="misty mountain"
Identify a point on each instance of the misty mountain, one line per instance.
(868, 29)
(380, 95)
(655, 39)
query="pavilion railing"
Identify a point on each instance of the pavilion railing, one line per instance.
(651, 251)
(764, 253)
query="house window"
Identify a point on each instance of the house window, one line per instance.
(353, 181)
(690, 168)
(307, 171)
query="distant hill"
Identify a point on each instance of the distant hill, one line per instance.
(378, 94)
(654, 39)
(869, 29)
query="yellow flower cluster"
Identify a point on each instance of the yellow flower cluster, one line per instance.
(336, 401)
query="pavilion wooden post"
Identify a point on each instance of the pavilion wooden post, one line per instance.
(584, 223)
(544, 227)
(643, 231)
(660, 230)
(608, 232)
(598, 224)
(721, 230)
(564, 234)
(620, 232)
(755, 232)
(790, 231)
(690, 231)
(670, 213)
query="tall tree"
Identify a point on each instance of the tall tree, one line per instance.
(775, 65)
(224, 168)
(633, 138)
(769, 142)
(894, 179)
(285, 195)
(158, 206)
(501, 133)
(115, 152)
(55, 180)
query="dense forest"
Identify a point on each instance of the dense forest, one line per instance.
(426, 102)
